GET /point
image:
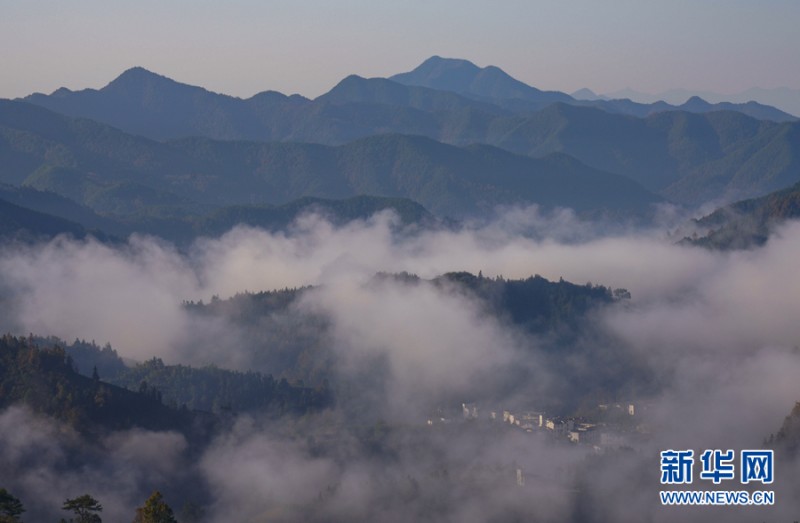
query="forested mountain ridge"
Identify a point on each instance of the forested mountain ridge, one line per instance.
(559, 312)
(438, 93)
(109, 170)
(689, 158)
(36, 214)
(787, 438)
(19, 223)
(492, 84)
(44, 380)
(50, 203)
(149, 104)
(747, 223)
(534, 303)
(690, 154)
(43, 373)
(92, 389)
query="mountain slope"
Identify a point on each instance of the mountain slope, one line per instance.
(688, 157)
(88, 159)
(44, 380)
(185, 229)
(462, 76)
(443, 178)
(355, 89)
(753, 109)
(18, 223)
(23, 216)
(56, 205)
(787, 439)
(783, 98)
(148, 104)
(429, 100)
(748, 223)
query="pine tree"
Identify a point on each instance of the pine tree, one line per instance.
(10, 507)
(84, 508)
(155, 510)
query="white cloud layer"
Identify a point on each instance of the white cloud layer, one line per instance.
(718, 330)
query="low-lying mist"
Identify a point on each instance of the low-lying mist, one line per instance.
(717, 333)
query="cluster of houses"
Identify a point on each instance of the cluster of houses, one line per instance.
(575, 430)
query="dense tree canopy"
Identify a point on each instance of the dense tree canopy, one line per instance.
(10, 507)
(155, 510)
(85, 508)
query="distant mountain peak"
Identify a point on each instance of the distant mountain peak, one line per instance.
(274, 97)
(351, 81)
(352, 78)
(137, 69)
(585, 94)
(464, 77)
(136, 76)
(695, 101)
(62, 91)
(437, 68)
(438, 61)
(348, 87)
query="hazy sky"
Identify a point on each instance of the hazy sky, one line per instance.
(241, 47)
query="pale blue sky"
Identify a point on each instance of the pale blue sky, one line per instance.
(241, 47)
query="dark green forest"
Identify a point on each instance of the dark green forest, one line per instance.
(747, 223)
(45, 380)
(295, 346)
(42, 374)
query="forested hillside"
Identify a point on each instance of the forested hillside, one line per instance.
(44, 380)
(748, 223)
(690, 154)
(114, 172)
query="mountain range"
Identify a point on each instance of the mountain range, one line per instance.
(28, 214)
(689, 154)
(114, 172)
(492, 84)
(148, 153)
(442, 99)
(783, 98)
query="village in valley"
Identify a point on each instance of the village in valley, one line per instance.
(610, 425)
